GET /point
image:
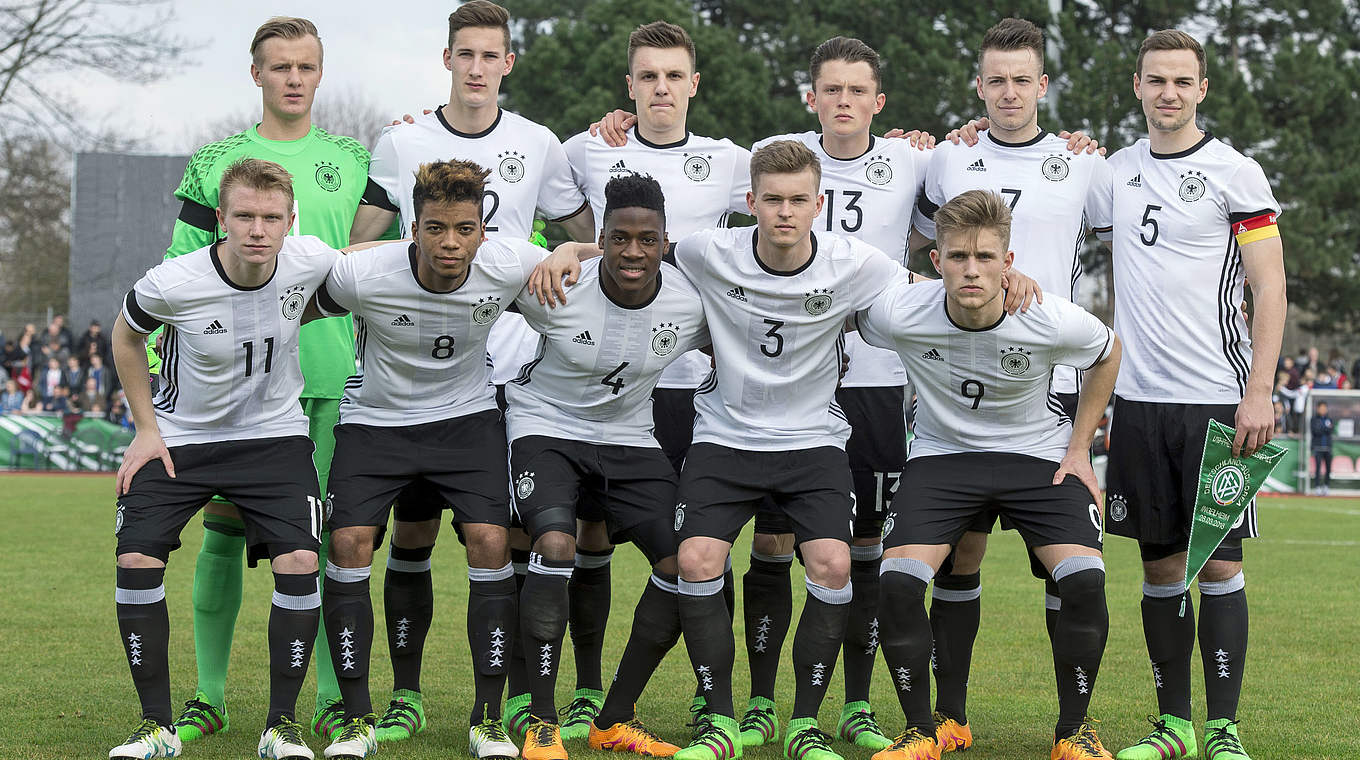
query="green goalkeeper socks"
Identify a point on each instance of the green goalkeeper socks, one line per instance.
(327, 685)
(217, 599)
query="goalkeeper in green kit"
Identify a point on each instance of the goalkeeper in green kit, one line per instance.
(329, 173)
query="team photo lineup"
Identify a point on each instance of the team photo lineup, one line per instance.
(314, 358)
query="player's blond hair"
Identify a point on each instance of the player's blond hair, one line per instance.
(448, 182)
(256, 174)
(1172, 39)
(283, 27)
(784, 157)
(972, 211)
(1014, 34)
(846, 49)
(480, 14)
(660, 34)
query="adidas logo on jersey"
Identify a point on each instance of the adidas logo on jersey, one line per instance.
(1137, 181)
(584, 339)
(215, 328)
(403, 321)
(618, 168)
(737, 293)
(932, 355)
(977, 166)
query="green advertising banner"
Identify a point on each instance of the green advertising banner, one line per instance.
(1227, 484)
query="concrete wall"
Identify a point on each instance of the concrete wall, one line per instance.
(122, 211)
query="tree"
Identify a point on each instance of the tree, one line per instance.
(35, 235)
(116, 38)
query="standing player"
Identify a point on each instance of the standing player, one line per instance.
(707, 179)
(329, 171)
(422, 409)
(767, 424)
(226, 420)
(991, 435)
(1188, 211)
(580, 423)
(1054, 195)
(871, 186)
(529, 171)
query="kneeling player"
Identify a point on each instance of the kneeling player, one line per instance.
(225, 421)
(422, 409)
(990, 435)
(580, 427)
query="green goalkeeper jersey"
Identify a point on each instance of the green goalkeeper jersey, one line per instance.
(329, 175)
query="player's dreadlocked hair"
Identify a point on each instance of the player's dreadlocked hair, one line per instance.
(283, 27)
(256, 174)
(1014, 34)
(633, 191)
(846, 49)
(660, 34)
(1171, 39)
(974, 210)
(784, 157)
(448, 182)
(480, 14)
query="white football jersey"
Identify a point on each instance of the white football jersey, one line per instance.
(230, 368)
(528, 171)
(421, 354)
(598, 361)
(985, 390)
(703, 179)
(1054, 196)
(871, 197)
(1178, 276)
(777, 337)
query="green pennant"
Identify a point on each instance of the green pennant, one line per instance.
(1227, 484)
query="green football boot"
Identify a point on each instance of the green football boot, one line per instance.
(1171, 737)
(804, 741)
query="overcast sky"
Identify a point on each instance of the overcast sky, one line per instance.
(393, 58)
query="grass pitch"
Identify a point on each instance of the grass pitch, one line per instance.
(66, 692)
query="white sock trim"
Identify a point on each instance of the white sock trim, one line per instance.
(841, 595)
(786, 559)
(955, 594)
(347, 574)
(1076, 565)
(1227, 586)
(668, 586)
(290, 602)
(592, 561)
(409, 565)
(139, 595)
(913, 567)
(487, 574)
(866, 553)
(701, 588)
(1164, 590)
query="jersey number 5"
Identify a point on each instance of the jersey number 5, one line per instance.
(1148, 221)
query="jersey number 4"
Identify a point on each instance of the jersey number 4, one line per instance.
(612, 380)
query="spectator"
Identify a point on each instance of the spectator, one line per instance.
(60, 403)
(73, 377)
(12, 400)
(100, 374)
(14, 358)
(1286, 396)
(1325, 378)
(56, 331)
(1287, 364)
(49, 379)
(1321, 449)
(1347, 384)
(93, 341)
(90, 397)
(51, 350)
(1281, 418)
(32, 403)
(118, 412)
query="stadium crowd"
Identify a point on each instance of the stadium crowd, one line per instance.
(52, 372)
